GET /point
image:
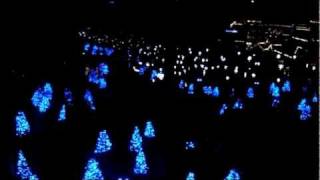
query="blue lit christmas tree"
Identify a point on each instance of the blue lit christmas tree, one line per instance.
(154, 75)
(86, 48)
(190, 176)
(103, 69)
(315, 98)
(89, 99)
(207, 90)
(62, 113)
(92, 171)
(191, 88)
(149, 131)
(23, 170)
(103, 143)
(181, 84)
(22, 125)
(109, 51)
(238, 104)
(93, 77)
(68, 95)
(250, 93)
(216, 92)
(223, 108)
(142, 70)
(42, 97)
(136, 140)
(190, 145)
(286, 86)
(94, 50)
(305, 109)
(140, 167)
(274, 90)
(233, 175)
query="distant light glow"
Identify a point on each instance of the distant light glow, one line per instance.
(232, 31)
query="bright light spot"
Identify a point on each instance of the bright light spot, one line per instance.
(236, 70)
(294, 56)
(278, 80)
(280, 66)
(222, 58)
(160, 76)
